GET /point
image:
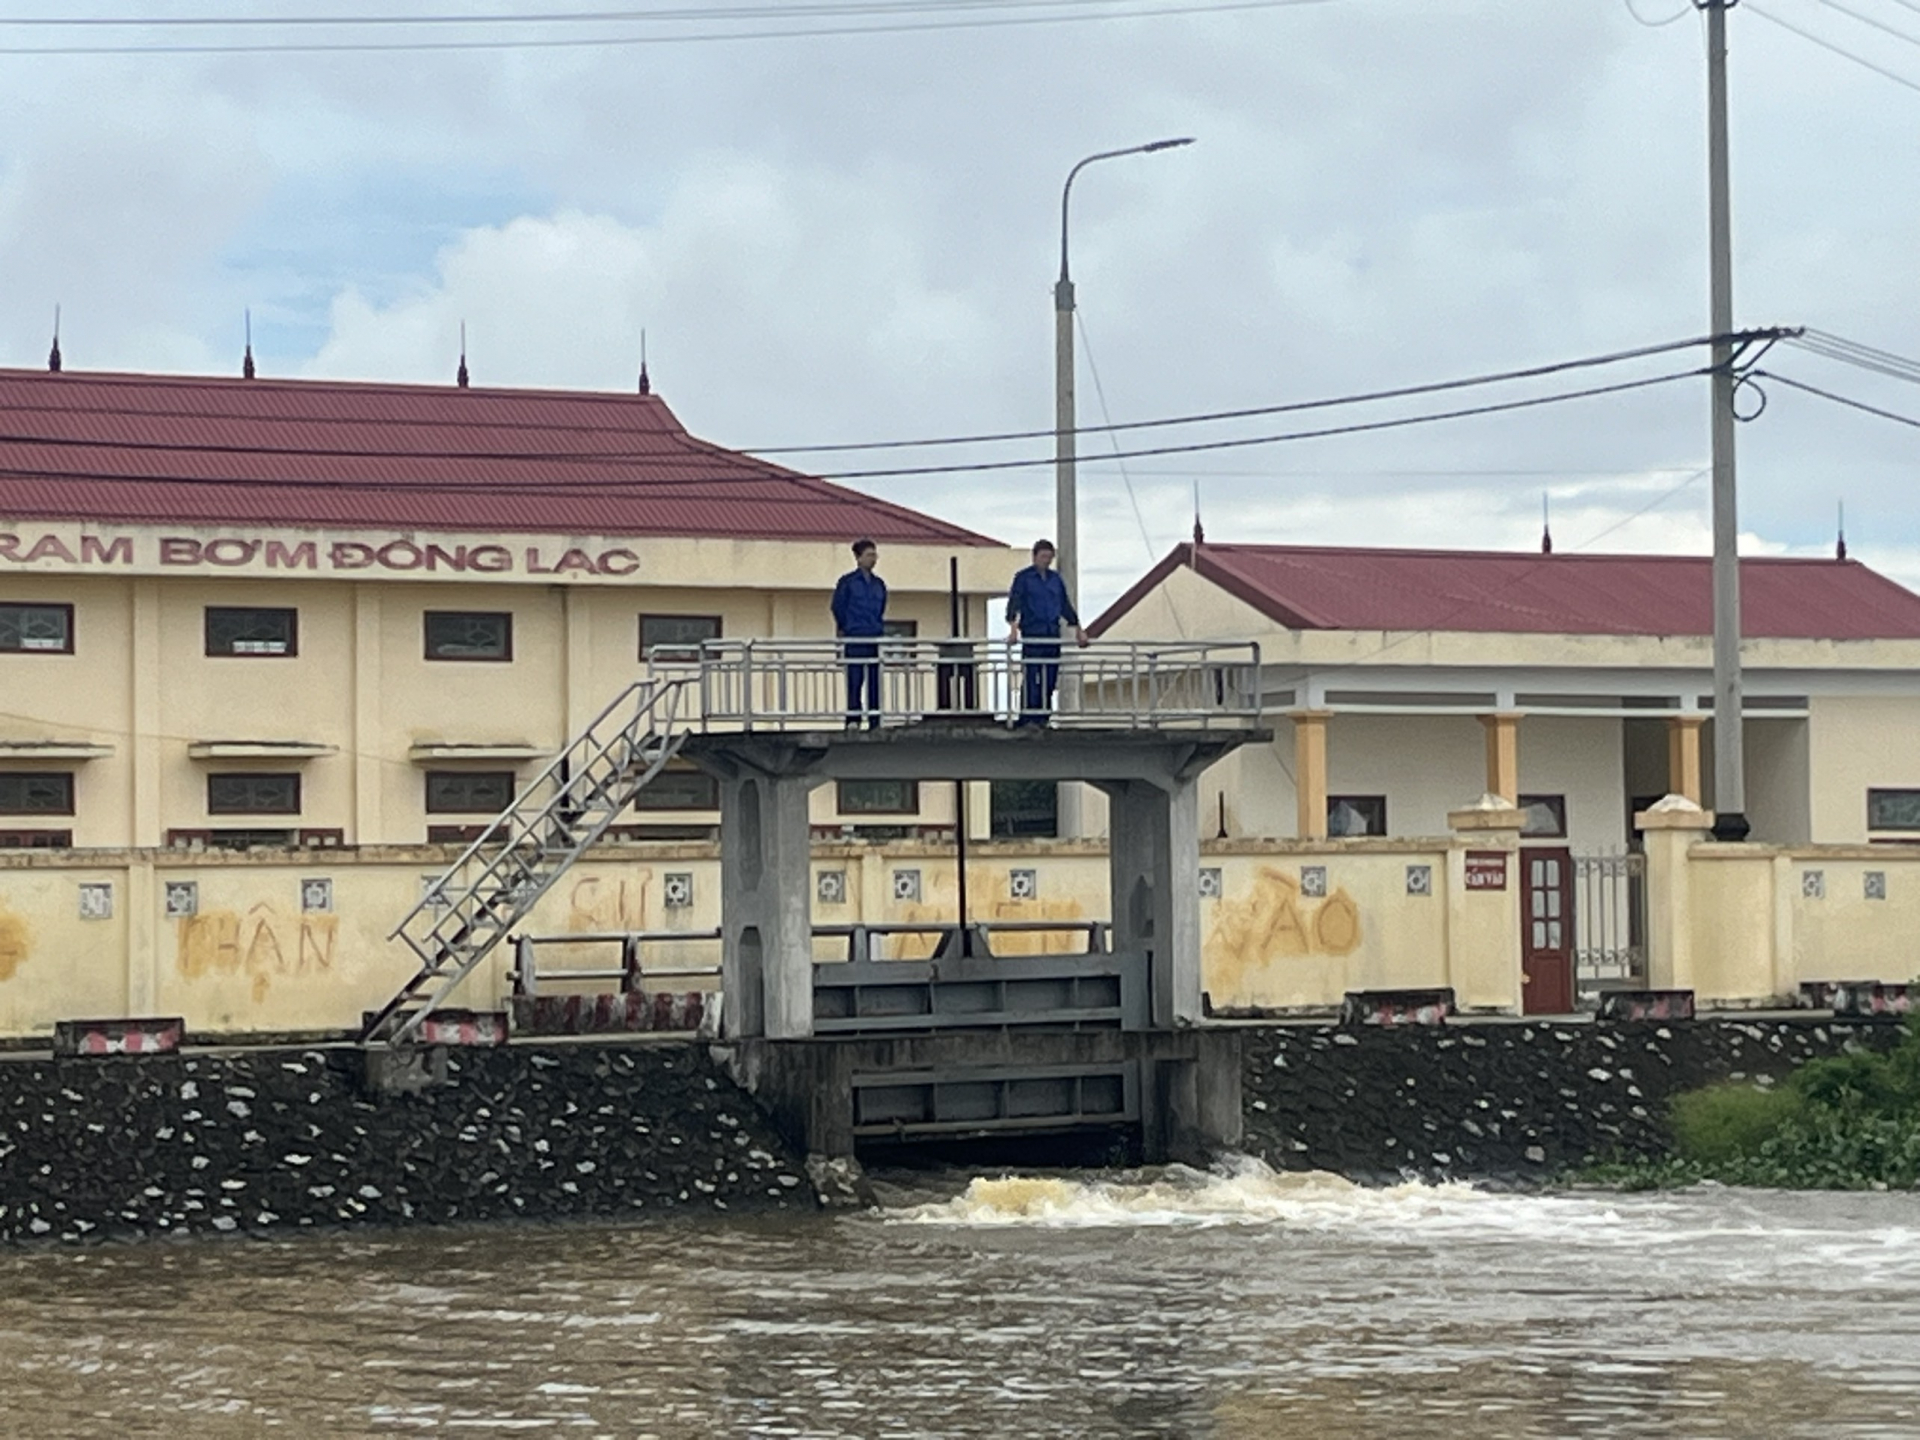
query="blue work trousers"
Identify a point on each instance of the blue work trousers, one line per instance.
(1041, 656)
(863, 682)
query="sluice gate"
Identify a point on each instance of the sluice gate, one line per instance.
(902, 1043)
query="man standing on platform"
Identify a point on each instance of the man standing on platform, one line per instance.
(1036, 606)
(860, 619)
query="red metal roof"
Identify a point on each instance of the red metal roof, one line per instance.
(311, 453)
(1305, 587)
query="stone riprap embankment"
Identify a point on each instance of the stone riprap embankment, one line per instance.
(275, 1140)
(1502, 1100)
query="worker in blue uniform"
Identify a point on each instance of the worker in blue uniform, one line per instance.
(1037, 605)
(860, 619)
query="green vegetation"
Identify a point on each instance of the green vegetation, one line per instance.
(1851, 1122)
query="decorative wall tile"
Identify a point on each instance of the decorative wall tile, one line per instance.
(1212, 885)
(182, 899)
(676, 889)
(1419, 879)
(96, 900)
(1876, 885)
(830, 887)
(1813, 884)
(906, 885)
(316, 896)
(1023, 884)
(1313, 880)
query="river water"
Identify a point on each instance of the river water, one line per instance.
(1242, 1304)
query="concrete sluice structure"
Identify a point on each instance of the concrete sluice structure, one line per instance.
(869, 1051)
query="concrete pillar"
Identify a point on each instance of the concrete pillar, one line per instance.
(369, 778)
(1310, 772)
(1503, 755)
(1683, 756)
(141, 897)
(1154, 865)
(766, 894)
(146, 723)
(1484, 920)
(1670, 829)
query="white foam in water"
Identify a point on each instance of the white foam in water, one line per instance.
(1238, 1191)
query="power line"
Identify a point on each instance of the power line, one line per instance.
(1679, 14)
(1840, 399)
(1100, 392)
(1880, 25)
(1844, 54)
(1498, 377)
(1852, 352)
(361, 47)
(1359, 428)
(655, 14)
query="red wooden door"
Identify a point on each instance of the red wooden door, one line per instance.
(1546, 931)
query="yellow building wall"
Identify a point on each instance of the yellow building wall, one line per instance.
(1856, 743)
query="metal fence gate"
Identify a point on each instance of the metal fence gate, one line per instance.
(1610, 923)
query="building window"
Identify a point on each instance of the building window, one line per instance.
(1893, 809)
(679, 790)
(248, 839)
(676, 637)
(878, 797)
(252, 630)
(1025, 808)
(43, 629)
(454, 834)
(1545, 816)
(469, 635)
(36, 839)
(253, 793)
(1356, 815)
(36, 792)
(470, 792)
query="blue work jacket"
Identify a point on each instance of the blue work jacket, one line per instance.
(860, 604)
(1038, 601)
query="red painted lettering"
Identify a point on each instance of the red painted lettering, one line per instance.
(454, 559)
(9, 547)
(175, 550)
(534, 567)
(619, 562)
(51, 547)
(492, 559)
(574, 560)
(304, 556)
(230, 552)
(106, 552)
(350, 555)
(400, 555)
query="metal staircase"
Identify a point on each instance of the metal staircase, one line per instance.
(502, 875)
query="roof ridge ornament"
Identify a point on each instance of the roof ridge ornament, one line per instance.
(53, 355)
(246, 361)
(460, 375)
(646, 384)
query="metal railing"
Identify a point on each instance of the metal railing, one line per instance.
(1125, 684)
(633, 974)
(1609, 923)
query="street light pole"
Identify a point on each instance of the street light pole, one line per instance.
(1729, 737)
(1066, 536)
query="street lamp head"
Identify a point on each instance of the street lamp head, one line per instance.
(1173, 144)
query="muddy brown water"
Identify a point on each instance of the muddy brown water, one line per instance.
(1241, 1305)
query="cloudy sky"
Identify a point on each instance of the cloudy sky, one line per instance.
(833, 238)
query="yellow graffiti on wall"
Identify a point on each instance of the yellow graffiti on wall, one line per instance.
(990, 897)
(598, 904)
(262, 944)
(1276, 921)
(14, 943)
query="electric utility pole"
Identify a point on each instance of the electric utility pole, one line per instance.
(1729, 738)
